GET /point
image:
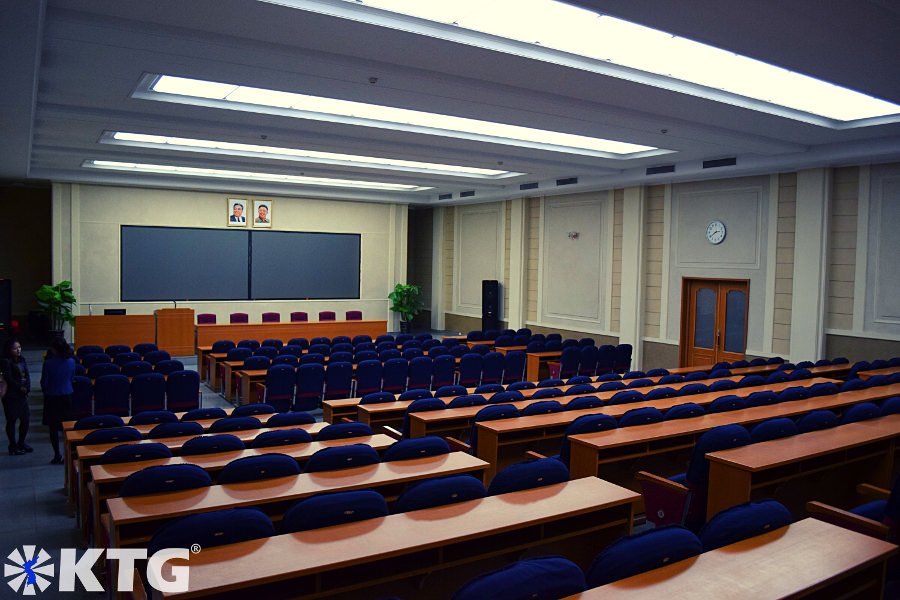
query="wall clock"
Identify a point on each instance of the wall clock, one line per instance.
(715, 232)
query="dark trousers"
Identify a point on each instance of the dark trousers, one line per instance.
(16, 409)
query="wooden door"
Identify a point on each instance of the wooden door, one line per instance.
(713, 321)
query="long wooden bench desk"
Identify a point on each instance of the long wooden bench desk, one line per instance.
(535, 360)
(131, 521)
(864, 375)
(105, 480)
(91, 454)
(207, 334)
(504, 441)
(377, 557)
(598, 454)
(861, 452)
(807, 558)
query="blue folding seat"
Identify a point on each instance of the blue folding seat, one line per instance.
(111, 395)
(364, 355)
(211, 444)
(657, 372)
(535, 346)
(342, 431)
(429, 493)
(340, 356)
(385, 345)
(578, 379)
(623, 358)
(183, 390)
(256, 468)
(554, 336)
(861, 412)
(443, 370)
(610, 386)
(312, 359)
(669, 379)
(153, 417)
(659, 393)
(421, 405)
(459, 350)
(378, 398)
(693, 388)
(95, 358)
(309, 388)
(569, 343)
(626, 397)
(290, 418)
(164, 478)
(521, 385)
(323, 349)
(302, 343)
(587, 362)
(773, 429)
(687, 410)
(641, 416)
(544, 407)
(100, 369)
(726, 403)
(342, 457)
(541, 578)
(361, 339)
(777, 377)
(269, 352)
(488, 388)
(467, 400)
(429, 445)
(148, 392)
(638, 383)
(438, 350)
(234, 424)
(176, 429)
(411, 353)
(290, 350)
(111, 435)
(722, 384)
(83, 351)
(82, 397)
(420, 369)
(492, 367)
(761, 399)
(135, 452)
(386, 337)
(583, 402)
(696, 376)
(528, 475)
(775, 360)
(470, 369)
(338, 508)
(222, 346)
(200, 414)
(799, 374)
(145, 348)
(742, 522)
(584, 424)
(402, 338)
(853, 384)
(521, 340)
(168, 366)
(286, 359)
(450, 391)
(633, 375)
(211, 529)
(338, 380)
(491, 412)
(503, 341)
(816, 420)
(155, 356)
(792, 394)
(606, 359)
(123, 358)
(341, 339)
(581, 389)
(394, 374)
(874, 381)
(411, 395)
(643, 552)
(757, 362)
(569, 362)
(253, 410)
(480, 349)
(719, 373)
(552, 382)
(891, 406)
(682, 498)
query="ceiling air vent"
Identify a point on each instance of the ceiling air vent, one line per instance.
(529, 186)
(567, 181)
(661, 169)
(720, 162)
(468, 194)
(445, 197)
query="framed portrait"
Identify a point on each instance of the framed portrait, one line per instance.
(262, 213)
(236, 212)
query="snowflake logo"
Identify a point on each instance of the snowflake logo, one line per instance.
(28, 571)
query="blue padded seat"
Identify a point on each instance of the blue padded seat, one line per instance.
(816, 420)
(111, 435)
(164, 478)
(210, 444)
(281, 437)
(429, 445)
(211, 529)
(200, 414)
(339, 431)
(255, 468)
(861, 412)
(543, 578)
(527, 475)
(342, 457)
(234, 424)
(176, 429)
(643, 552)
(296, 417)
(325, 510)
(685, 411)
(773, 429)
(134, 452)
(429, 493)
(152, 417)
(744, 521)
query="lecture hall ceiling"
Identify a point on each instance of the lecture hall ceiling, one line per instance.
(75, 71)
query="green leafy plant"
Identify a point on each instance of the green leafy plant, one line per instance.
(57, 301)
(406, 300)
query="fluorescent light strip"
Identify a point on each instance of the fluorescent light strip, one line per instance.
(144, 140)
(168, 87)
(550, 25)
(248, 175)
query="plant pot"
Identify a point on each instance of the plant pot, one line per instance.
(54, 333)
(405, 326)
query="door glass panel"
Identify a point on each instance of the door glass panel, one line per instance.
(735, 321)
(705, 318)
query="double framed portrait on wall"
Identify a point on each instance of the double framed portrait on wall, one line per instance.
(239, 216)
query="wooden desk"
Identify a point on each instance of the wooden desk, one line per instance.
(106, 330)
(604, 453)
(504, 350)
(535, 360)
(133, 520)
(106, 480)
(206, 334)
(504, 441)
(859, 452)
(175, 330)
(864, 375)
(807, 558)
(473, 343)
(358, 557)
(202, 354)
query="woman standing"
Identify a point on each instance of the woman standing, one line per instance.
(15, 402)
(56, 383)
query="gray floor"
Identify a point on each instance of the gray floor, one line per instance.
(32, 495)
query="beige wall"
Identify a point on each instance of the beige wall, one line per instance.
(842, 247)
(784, 263)
(616, 293)
(93, 216)
(654, 222)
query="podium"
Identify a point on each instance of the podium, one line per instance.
(175, 330)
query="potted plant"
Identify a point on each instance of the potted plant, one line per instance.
(406, 300)
(57, 302)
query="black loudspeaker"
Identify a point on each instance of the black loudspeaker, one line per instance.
(5, 309)
(490, 304)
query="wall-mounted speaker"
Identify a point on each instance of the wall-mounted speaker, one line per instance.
(490, 304)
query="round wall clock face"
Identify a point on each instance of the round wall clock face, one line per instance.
(715, 232)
